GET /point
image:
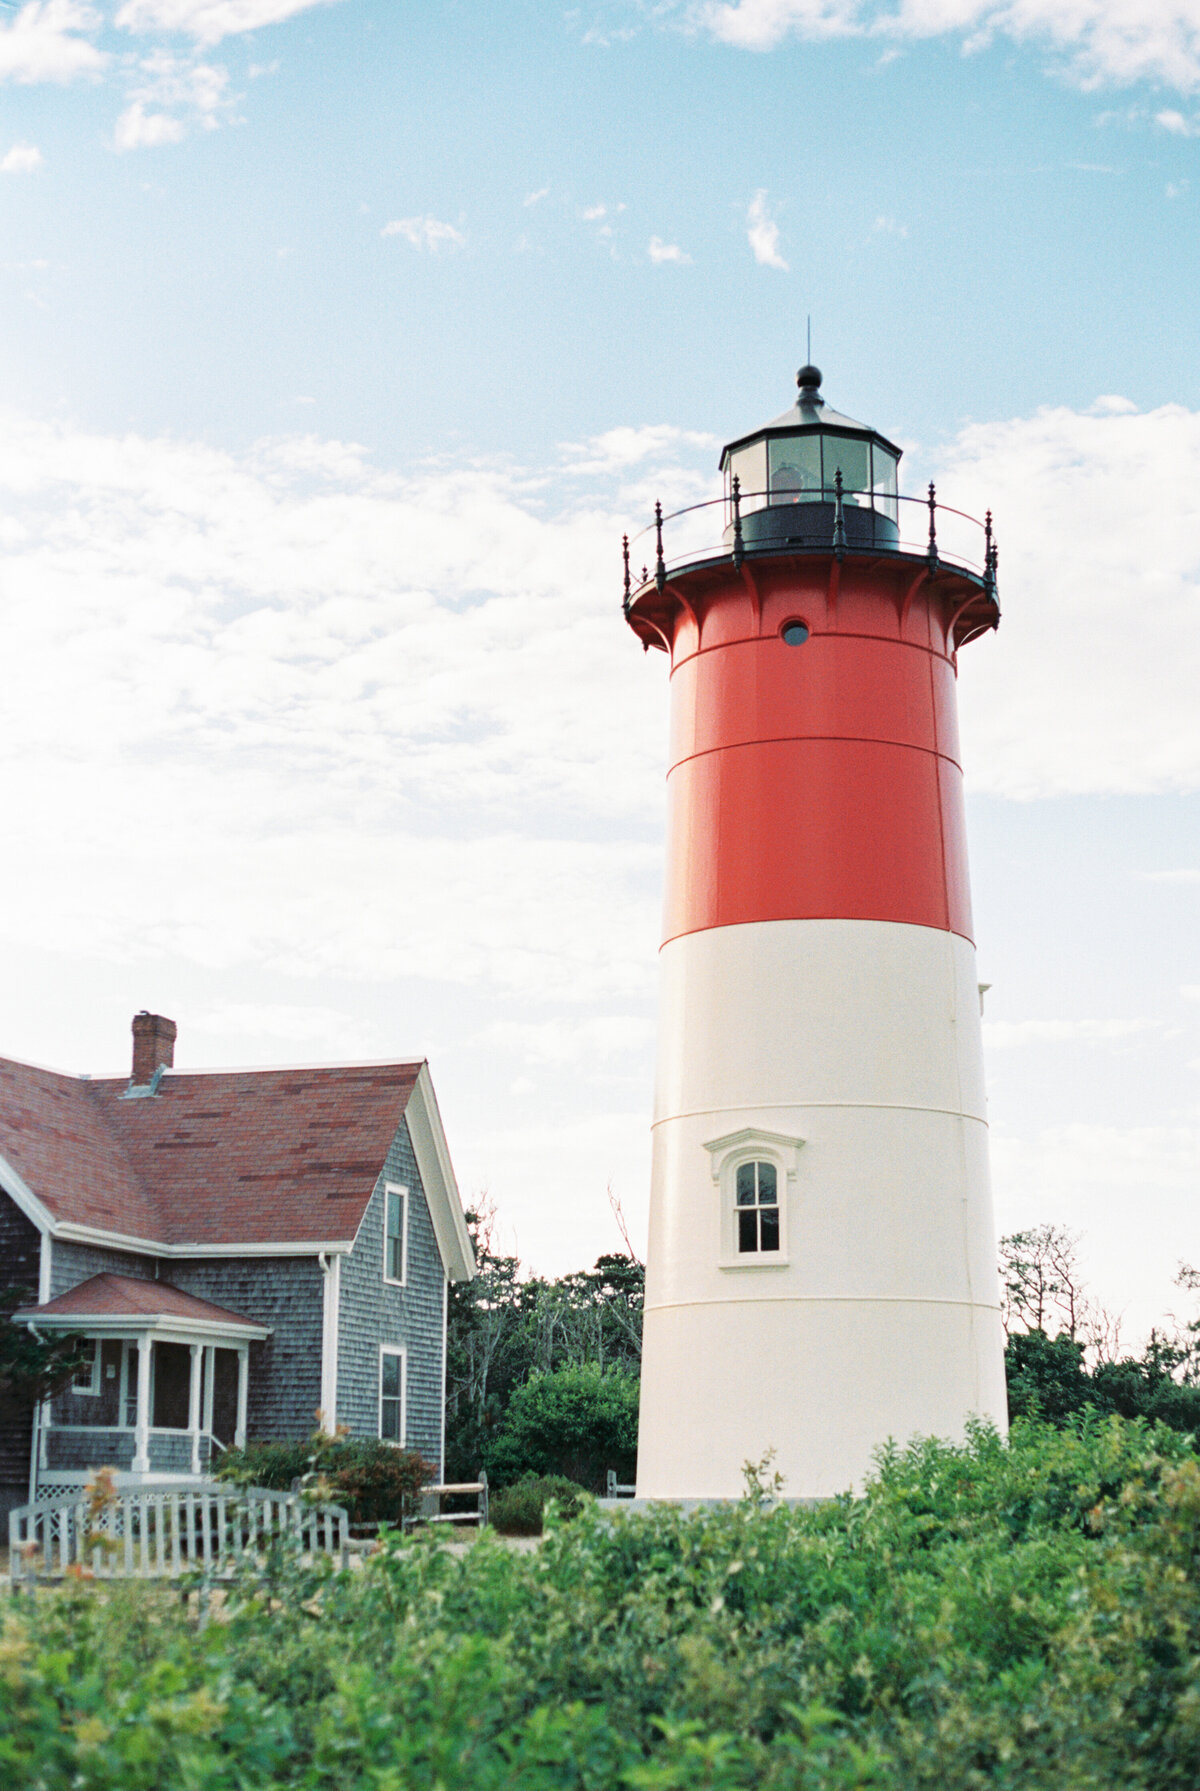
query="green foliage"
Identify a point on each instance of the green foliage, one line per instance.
(1048, 1377)
(519, 1510)
(33, 1368)
(577, 1421)
(999, 1617)
(375, 1481)
(502, 1328)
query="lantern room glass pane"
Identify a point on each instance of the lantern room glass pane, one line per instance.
(749, 465)
(796, 469)
(852, 455)
(883, 482)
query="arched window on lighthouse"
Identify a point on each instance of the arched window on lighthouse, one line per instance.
(754, 1178)
(757, 1208)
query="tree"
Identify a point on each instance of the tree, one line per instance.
(501, 1328)
(578, 1421)
(34, 1368)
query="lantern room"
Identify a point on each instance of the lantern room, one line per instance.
(791, 472)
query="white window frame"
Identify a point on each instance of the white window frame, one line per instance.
(390, 1188)
(91, 1388)
(726, 1156)
(395, 1349)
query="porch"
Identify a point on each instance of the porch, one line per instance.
(162, 1393)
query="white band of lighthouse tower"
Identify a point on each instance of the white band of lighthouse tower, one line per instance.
(821, 1270)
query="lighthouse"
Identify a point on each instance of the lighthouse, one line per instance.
(821, 1271)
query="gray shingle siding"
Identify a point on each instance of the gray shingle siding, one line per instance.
(287, 1293)
(372, 1312)
(72, 1263)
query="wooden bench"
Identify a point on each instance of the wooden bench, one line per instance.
(431, 1512)
(164, 1532)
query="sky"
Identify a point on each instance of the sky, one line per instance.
(340, 342)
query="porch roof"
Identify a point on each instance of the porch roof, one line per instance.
(113, 1304)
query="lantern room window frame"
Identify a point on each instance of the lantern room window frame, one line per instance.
(760, 463)
(733, 1152)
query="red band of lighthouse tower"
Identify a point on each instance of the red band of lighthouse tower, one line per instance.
(821, 1265)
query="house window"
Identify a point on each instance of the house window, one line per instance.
(87, 1375)
(395, 1235)
(391, 1395)
(757, 1208)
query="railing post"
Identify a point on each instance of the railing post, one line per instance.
(989, 559)
(660, 565)
(933, 549)
(839, 520)
(625, 552)
(739, 551)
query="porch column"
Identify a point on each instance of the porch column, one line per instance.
(239, 1435)
(210, 1364)
(141, 1429)
(194, 1404)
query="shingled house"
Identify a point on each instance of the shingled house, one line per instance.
(244, 1249)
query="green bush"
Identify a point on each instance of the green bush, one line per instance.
(997, 1617)
(518, 1510)
(576, 1422)
(375, 1481)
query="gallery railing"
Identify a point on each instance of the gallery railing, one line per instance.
(836, 520)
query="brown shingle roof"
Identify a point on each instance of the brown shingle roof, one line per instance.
(106, 1296)
(238, 1157)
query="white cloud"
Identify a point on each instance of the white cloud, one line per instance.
(138, 129)
(22, 158)
(536, 198)
(49, 41)
(592, 213)
(1101, 41)
(1185, 876)
(330, 1032)
(208, 21)
(425, 233)
(1078, 692)
(1190, 991)
(763, 233)
(659, 252)
(1007, 1035)
(1175, 189)
(168, 96)
(1175, 123)
(260, 644)
(885, 226)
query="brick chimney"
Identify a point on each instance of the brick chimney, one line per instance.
(153, 1044)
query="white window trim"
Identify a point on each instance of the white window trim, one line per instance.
(396, 1188)
(727, 1154)
(394, 1349)
(92, 1389)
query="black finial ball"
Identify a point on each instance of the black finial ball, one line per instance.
(808, 376)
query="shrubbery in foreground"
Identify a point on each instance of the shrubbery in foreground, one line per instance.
(997, 1616)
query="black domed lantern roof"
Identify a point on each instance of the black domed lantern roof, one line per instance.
(788, 475)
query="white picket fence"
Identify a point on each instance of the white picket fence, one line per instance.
(163, 1532)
